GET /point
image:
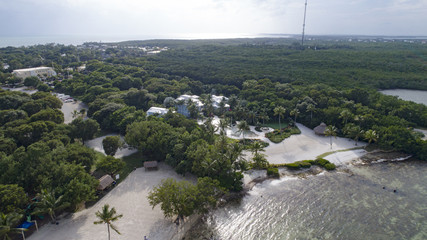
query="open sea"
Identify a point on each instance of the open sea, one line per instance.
(359, 204)
(80, 39)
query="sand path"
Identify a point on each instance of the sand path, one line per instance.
(130, 199)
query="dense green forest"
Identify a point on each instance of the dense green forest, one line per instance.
(327, 81)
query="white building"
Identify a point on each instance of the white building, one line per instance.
(34, 72)
(157, 110)
(182, 108)
(216, 100)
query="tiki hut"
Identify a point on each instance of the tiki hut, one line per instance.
(150, 165)
(320, 130)
(104, 182)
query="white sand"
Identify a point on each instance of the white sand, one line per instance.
(341, 158)
(68, 108)
(130, 199)
(96, 144)
(305, 146)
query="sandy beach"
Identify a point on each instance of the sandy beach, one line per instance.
(304, 146)
(307, 146)
(130, 199)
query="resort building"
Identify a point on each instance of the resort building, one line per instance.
(216, 101)
(34, 72)
(157, 111)
(182, 102)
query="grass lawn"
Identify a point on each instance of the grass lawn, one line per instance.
(277, 136)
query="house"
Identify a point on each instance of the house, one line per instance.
(104, 182)
(157, 111)
(216, 101)
(320, 130)
(34, 72)
(182, 102)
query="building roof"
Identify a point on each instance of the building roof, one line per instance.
(186, 98)
(32, 69)
(216, 100)
(159, 110)
(104, 182)
(150, 164)
(320, 130)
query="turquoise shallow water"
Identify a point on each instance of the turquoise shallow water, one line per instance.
(329, 206)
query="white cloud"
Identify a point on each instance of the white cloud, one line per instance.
(166, 17)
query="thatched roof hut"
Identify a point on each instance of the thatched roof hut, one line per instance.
(150, 165)
(320, 130)
(104, 182)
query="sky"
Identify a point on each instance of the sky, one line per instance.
(211, 17)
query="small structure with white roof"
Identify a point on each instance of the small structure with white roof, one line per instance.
(157, 111)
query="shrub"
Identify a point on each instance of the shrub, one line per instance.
(294, 165)
(305, 164)
(278, 136)
(321, 162)
(273, 172)
(309, 161)
(330, 166)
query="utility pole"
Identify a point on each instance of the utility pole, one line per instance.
(303, 25)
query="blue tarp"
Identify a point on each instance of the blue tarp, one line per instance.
(26, 225)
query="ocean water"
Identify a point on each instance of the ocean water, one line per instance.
(80, 39)
(359, 204)
(417, 96)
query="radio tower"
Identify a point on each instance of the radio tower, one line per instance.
(303, 25)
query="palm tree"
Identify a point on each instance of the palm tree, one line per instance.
(279, 111)
(7, 221)
(49, 204)
(252, 115)
(75, 113)
(108, 216)
(357, 133)
(311, 108)
(243, 126)
(223, 124)
(345, 115)
(256, 147)
(371, 136)
(295, 113)
(331, 131)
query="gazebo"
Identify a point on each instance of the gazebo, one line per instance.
(320, 130)
(104, 182)
(150, 165)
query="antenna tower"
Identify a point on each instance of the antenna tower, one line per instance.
(303, 25)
